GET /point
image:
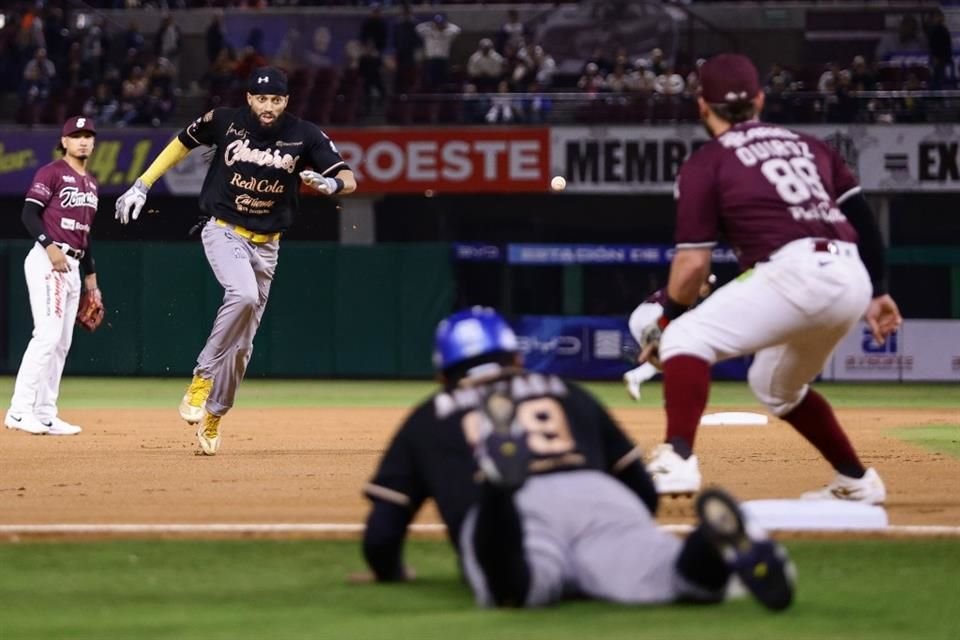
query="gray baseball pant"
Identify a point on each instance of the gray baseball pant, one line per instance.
(245, 271)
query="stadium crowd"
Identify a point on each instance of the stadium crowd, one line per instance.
(401, 70)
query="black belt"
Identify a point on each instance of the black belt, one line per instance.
(76, 254)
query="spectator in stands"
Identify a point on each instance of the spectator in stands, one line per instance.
(597, 57)
(537, 105)
(485, 66)
(250, 59)
(657, 64)
(591, 82)
(779, 78)
(318, 57)
(910, 108)
(133, 92)
(132, 38)
(406, 41)
(503, 105)
(102, 106)
(841, 106)
(214, 38)
(167, 41)
(544, 66)
(437, 35)
(618, 80)
(861, 77)
(55, 35)
(77, 72)
(475, 106)
(38, 78)
(668, 83)
(512, 32)
(373, 29)
(943, 72)
(828, 79)
(221, 78)
(904, 45)
(370, 70)
(691, 86)
(96, 44)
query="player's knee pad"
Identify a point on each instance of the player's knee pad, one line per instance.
(779, 401)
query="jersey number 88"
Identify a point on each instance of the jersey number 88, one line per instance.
(796, 180)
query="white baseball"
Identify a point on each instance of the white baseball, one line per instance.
(558, 183)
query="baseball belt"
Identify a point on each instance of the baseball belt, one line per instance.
(252, 236)
(76, 254)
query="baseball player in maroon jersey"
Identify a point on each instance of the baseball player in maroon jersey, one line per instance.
(813, 264)
(251, 194)
(58, 213)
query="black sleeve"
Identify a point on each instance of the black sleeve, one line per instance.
(201, 132)
(383, 540)
(86, 262)
(324, 156)
(871, 248)
(34, 223)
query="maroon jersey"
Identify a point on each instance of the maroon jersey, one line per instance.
(762, 186)
(69, 202)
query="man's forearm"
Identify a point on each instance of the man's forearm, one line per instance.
(171, 156)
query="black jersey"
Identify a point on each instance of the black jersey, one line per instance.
(254, 180)
(431, 455)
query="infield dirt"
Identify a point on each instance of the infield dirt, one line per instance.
(309, 466)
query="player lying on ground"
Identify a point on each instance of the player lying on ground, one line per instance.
(813, 265)
(543, 495)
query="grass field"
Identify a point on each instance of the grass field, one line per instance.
(848, 590)
(867, 590)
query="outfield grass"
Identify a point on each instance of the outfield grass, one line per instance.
(80, 392)
(867, 590)
(942, 438)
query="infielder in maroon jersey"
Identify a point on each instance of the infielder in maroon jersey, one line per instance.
(813, 265)
(58, 212)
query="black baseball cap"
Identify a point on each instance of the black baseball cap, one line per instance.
(77, 124)
(728, 78)
(268, 81)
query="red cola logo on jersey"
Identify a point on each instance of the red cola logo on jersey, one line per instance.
(240, 151)
(264, 185)
(72, 197)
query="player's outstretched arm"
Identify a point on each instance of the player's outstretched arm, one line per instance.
(131, 202)
(343, 183)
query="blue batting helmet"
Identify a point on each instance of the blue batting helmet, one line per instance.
(473, 332)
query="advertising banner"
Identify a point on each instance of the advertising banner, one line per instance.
(589, 347)
(641, 160)
(894, 158)
(118, 159)
(465, 160)
(921, 350)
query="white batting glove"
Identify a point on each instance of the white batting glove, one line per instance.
(320, 184)
(131, 202)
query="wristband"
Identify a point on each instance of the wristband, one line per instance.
(340, 185)
(673, 309)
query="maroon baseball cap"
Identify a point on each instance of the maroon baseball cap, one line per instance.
(727, 78)
(77, 124)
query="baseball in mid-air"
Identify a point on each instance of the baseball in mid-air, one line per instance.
(559, 183)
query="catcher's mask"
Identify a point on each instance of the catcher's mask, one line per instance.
(472, 334)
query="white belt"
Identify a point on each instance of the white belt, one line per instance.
(816, 245)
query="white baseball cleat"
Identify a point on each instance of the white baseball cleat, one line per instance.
(60, 427)
(195, 399)
(209, 434)
(632, 382)
(672, 475)
(25, 422)
(869, 489)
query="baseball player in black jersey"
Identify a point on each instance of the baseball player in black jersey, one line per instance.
(251, 194)
(543, 495)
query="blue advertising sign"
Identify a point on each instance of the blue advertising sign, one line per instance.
(589, 347)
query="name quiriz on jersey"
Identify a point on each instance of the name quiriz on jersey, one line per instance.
(240, 151)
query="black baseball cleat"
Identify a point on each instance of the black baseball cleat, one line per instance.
(762, 564)
(502, 454)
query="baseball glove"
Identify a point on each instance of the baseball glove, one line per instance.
(90, 313)
(650, 344)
